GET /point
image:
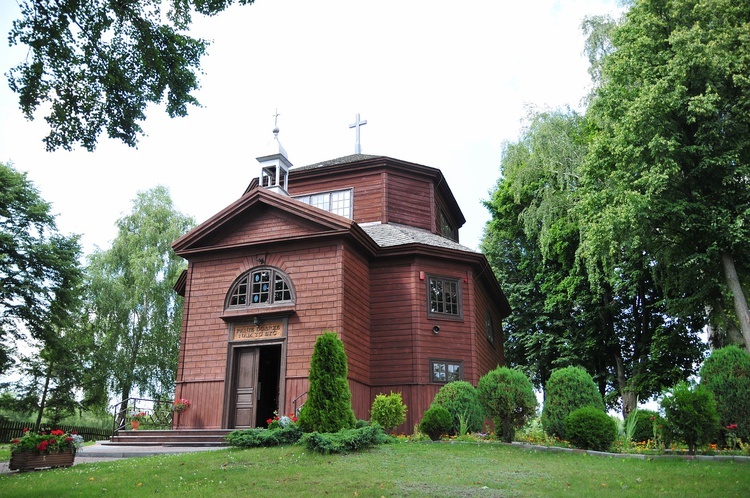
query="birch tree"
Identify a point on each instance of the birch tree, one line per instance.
(135, 313)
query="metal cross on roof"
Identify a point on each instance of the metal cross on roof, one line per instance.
(276, 118)
(356, 124)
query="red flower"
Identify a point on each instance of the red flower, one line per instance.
(57, 432)
(25, 429)
(69, 439)
(42, 446)
(269, 420)
(732, 426)
(15, 441)
(53, 441)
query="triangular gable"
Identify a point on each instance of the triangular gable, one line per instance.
(260, 216)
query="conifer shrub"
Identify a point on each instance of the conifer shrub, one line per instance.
(726, 373)
(508, 397)
(435, 422)
(388, 410)
(567, 390)
(647, 421)
(329, 401)
(460, 398)
(345, 441)
(252, 438)
(590, 428)
(691, 415)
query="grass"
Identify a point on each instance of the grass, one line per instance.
(403, 468)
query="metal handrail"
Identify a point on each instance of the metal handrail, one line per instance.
(294, 404)
(156, 413)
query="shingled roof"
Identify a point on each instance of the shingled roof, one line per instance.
(339, 160)
(393, 234)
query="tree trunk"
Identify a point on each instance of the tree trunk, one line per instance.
(43, 402)
(738, 296)
(721, 329)
(629, 398)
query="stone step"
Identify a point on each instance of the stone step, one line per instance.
(194, 437)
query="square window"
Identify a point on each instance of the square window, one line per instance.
(444, 371)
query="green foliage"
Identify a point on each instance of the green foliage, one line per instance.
(726, 373)
(135, 314)
(328, 407)
(589, 428)
(251, 438)
(691, 415)
(98, 65)
(648, 425)
(346, 441)
(567, 390)
(435, 422)
(667, 170)
(569, 308)
(39, 270)
(461, 400)
(508, 397)
(388, 410)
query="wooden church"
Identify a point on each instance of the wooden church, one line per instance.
(365, 246)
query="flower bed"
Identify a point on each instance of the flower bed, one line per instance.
(51, 449)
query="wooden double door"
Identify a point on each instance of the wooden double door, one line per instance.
(255, 387)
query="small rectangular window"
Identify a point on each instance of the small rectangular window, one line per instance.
(444, 371)
(488, 327)
(444, 296)
(337, 201)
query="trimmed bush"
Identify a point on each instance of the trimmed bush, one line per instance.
(329, 401)
(508, 397)
(436, 422)
(567, 390)
(252, 438)
(691, 415)
(590, 428)
(345, 441)
(726, 373)
(461, 400)
(389, 411)
(644, 425)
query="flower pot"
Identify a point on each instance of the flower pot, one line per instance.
(134, 424)
(31, 460)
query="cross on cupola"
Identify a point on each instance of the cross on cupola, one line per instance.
(356, 125)
(274, 163)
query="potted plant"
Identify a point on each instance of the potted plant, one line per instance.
(48, 449)
(180, 405)
(136, 419)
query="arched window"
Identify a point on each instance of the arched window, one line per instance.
(261, 287)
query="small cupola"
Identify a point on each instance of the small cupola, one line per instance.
(274, 165)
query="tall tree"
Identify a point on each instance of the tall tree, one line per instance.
(670, 158)
(39, 268)
(610, 319)
(135, 314)
(98, 64)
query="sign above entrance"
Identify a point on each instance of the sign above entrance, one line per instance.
(259, 332)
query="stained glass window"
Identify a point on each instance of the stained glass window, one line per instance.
(254, 289)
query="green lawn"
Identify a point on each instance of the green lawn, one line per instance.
(413, 469)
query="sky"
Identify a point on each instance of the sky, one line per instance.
(441, 83)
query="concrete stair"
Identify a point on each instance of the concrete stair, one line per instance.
(185, 437)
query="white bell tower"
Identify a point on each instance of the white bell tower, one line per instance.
(274, 164)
